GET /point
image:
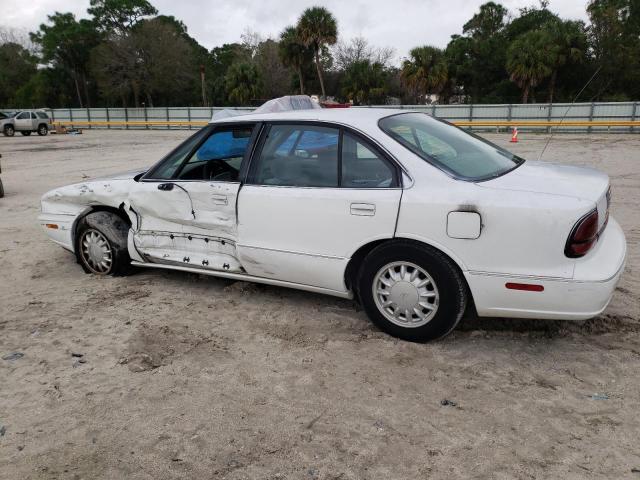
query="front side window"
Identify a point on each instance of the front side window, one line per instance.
(299, 156)
(23, 116)
(168, 167)
(452, 149)
(220, 156)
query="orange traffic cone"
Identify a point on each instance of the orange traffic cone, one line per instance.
(514, 135)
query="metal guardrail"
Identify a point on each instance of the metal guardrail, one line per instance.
(579, 117)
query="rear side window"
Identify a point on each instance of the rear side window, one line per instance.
(362, 167)
(42, 115)
(307, 155)
(299, 156)
(450, 148)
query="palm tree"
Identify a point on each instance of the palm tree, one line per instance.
(242, 82)
(318, 28)
(426, 71)
(529, 60)
(294, 53)
(568, 45)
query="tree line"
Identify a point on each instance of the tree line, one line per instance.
(128, 54)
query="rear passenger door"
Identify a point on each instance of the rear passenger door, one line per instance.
(314, 194)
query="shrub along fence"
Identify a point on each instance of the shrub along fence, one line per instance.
(578, 117)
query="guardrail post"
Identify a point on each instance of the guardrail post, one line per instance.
(590, 116)
(71, 117)
(53, 116)
(549, 117)
(471, 115)
(89, 118)
(433, 110)
(509, 109)
(108, 118)
(167, 115)
(146, 118)
(189, 116)
(126, 118)
(633, 114)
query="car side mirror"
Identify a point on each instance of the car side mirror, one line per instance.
(165, 187)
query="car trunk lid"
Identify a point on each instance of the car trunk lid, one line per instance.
(554, 179)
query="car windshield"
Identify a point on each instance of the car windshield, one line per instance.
(456, 151)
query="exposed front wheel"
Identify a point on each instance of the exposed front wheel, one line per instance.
(9, 131)
(101, 244)
(412, 291)
(43, 130)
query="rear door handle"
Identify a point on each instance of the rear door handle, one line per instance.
(363, 209)
(219, 199)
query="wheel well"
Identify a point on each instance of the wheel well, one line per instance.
(99, 208)
(43, 125)
(353, 267)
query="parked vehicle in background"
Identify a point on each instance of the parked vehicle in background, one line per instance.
(26, 122)
(412, 216)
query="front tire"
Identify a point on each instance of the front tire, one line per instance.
(101, 244)
(412, 291)
(9, 131)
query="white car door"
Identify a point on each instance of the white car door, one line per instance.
(313, 196)
(23, 121)
(186, 206)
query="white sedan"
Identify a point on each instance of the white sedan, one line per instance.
(415, 218)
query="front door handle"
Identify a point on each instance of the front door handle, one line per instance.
(219, 199)
(363, 209)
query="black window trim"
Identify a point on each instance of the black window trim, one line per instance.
(435, 163)
(211, 129)
(396, 167)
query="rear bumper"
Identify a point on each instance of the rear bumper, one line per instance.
(584, 296)
(58, 228)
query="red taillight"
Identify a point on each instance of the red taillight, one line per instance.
(583, 236)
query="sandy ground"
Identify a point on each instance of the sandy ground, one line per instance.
(183, 376)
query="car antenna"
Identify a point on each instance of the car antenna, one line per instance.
(569, 108)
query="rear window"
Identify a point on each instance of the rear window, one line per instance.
(456, 151)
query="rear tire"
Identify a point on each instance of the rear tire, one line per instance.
(43, 130)
(412, 291)
(101, 244)
(26, 133)
(9, 131)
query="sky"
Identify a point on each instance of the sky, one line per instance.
(401, 24)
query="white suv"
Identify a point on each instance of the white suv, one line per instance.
(25, 122)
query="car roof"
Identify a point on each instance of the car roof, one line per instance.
(338, 115)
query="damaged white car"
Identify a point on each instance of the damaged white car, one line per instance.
(415, 218)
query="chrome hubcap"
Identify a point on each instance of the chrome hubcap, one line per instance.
(405, 294)
(96, 251)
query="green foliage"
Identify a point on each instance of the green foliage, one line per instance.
(243, 83)
(119, 15)
(294, 53)
(16, 65)
(426, 71)
(364, 83)
(529, 60)
(317, 28)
